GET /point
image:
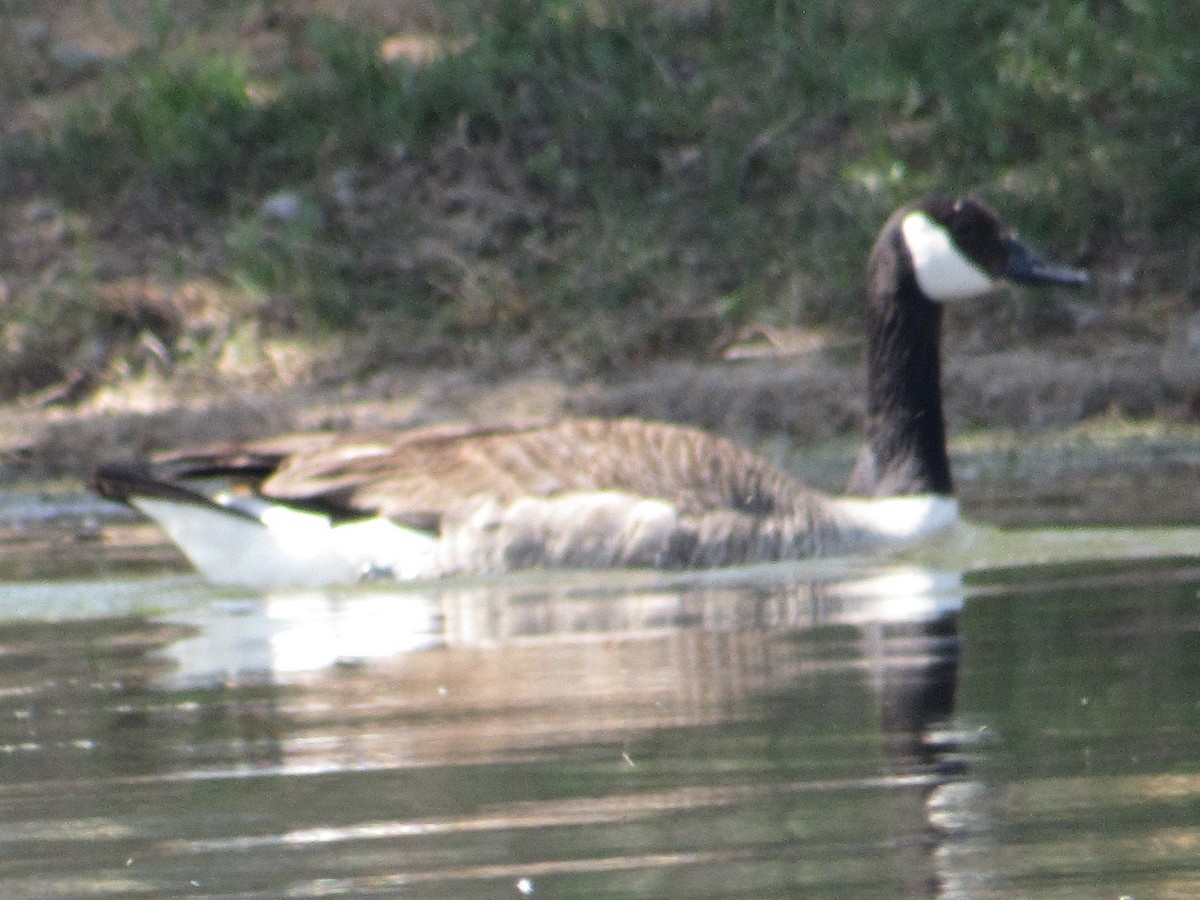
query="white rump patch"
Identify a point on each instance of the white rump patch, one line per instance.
(287, 546)
(943, 271)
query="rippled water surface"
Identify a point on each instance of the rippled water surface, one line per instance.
(997, 718)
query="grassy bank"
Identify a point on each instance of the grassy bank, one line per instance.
(593, 182)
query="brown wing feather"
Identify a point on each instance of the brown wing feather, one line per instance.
(414, 476)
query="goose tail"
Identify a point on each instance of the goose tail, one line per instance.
(132, 484)
(237, 537)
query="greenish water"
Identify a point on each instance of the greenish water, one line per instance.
(1009, 714)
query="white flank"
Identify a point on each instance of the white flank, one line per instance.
(287, 546)
(898, 520)
(944, 273)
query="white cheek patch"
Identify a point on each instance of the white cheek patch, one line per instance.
(944, 273)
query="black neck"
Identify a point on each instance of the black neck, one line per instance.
(906, 432)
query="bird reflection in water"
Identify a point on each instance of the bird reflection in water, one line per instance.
(783, 678)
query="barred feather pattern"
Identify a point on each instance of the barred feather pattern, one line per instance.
(580, 493)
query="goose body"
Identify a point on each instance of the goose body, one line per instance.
(444, 500)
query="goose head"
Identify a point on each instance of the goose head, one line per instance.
(959, 249)
(937, 251)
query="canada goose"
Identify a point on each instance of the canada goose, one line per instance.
(436, 501)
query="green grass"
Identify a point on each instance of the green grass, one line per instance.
(714, 165)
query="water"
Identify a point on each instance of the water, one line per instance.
(1010, 714)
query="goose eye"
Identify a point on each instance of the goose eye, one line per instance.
(965, 230)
